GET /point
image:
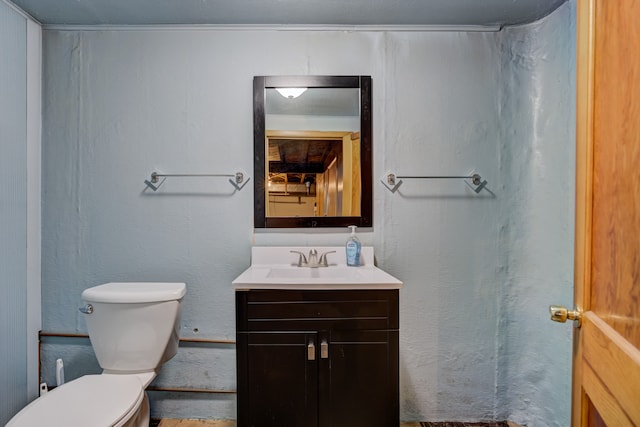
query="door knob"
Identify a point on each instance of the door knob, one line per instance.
(559, 313)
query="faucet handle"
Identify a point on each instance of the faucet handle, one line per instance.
(302, 259)
(323, 258)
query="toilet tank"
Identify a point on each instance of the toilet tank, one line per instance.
(133, 327)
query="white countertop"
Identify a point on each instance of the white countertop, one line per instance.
(275, 267)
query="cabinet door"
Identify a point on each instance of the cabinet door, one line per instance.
(359, 379)
(281, 382)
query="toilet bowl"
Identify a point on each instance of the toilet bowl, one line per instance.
(133, 329)
(91, 400)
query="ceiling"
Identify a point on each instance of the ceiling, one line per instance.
(288, 12)
(316, 102)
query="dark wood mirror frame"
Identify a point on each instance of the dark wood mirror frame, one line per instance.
(260, 84)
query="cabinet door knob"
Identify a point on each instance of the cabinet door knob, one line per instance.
(324, 349)
(311, 351)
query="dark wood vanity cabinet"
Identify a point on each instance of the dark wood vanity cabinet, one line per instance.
(310, 358)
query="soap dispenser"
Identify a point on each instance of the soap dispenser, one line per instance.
(353, 248)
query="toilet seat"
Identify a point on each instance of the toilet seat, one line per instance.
(91, 400)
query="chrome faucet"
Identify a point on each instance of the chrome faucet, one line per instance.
(313, 258)
(312, 261)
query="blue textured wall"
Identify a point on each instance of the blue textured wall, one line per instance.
(478, 269)
(538, 174)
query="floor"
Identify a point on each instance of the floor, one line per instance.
(458, 424)
(215, 423)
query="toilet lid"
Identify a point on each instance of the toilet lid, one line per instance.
(92, 400)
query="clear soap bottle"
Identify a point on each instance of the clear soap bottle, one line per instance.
(353, 248)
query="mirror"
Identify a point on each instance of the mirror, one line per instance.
(312, 151)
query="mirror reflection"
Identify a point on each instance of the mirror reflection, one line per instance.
(313, 151)
(311, 156)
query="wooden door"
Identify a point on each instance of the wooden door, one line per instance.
(606, 389)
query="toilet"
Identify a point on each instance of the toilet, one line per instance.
(134, 330)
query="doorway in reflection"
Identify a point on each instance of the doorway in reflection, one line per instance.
(313, 173)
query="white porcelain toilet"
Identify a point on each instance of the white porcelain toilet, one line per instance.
(133, 329)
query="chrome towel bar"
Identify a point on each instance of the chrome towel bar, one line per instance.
(392, 181)
(238, 179)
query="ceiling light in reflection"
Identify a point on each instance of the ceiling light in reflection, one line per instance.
(291, 92)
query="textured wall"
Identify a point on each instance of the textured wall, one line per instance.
(119, 104)
(441, 117)
(537, 174)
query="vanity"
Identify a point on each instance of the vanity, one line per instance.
(316, 341)
(316, 346)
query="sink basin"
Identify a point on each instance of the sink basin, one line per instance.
(268, 271)
(320, 273)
